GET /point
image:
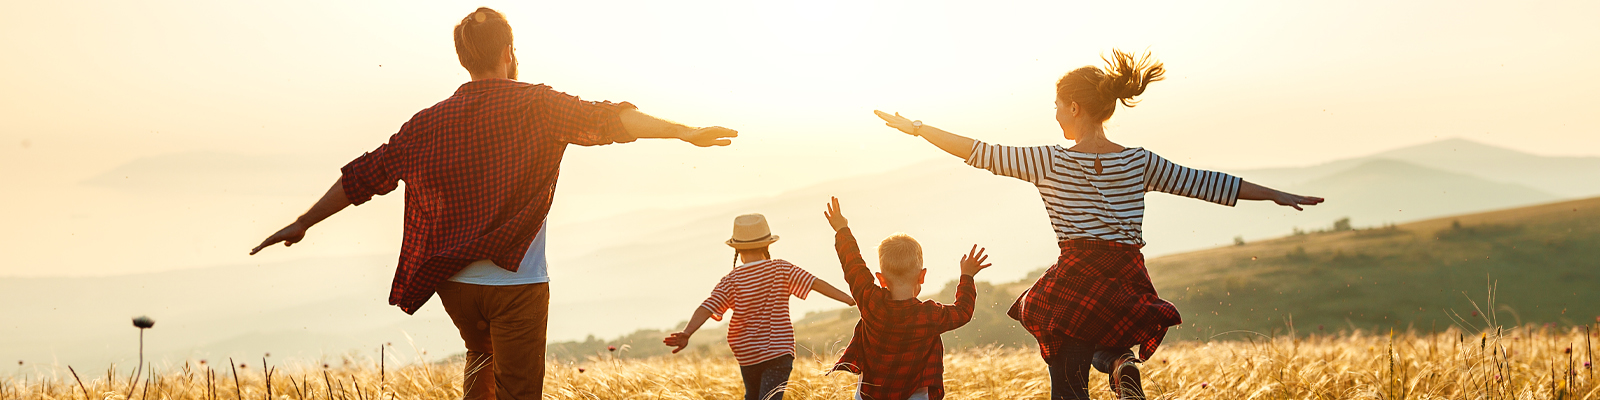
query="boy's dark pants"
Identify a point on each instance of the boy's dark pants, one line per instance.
(766, 380)
(504, 327)
(1069, 371)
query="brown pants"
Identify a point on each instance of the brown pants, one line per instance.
(504, 321)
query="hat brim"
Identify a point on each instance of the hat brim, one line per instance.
(752, 245)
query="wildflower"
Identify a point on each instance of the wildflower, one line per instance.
(143, 322)
(202, 361)
(1497, 377)
(1569, 349)
(611, 348)
(1163, 361)
(324, 365)
(1204, 385)
(1474, 313)
(580, 370)
(1585, 364)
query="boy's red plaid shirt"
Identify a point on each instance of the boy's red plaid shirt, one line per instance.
(896, 346)
(480, 171)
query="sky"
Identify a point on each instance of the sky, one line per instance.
(249, 109)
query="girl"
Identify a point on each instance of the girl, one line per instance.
(761, 334)
(1096, 302)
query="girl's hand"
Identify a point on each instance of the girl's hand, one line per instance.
(973, 262)
(897, 122)
(1294, 200)
(679, 340)
(835, 219)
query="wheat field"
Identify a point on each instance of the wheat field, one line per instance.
(1532, 362)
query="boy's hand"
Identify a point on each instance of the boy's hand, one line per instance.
(835, 219)
(973, 261)
(679, 340)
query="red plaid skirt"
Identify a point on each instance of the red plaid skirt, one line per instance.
(1098, 292)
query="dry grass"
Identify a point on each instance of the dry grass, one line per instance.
(1524, 363)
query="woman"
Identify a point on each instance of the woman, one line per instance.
(1096, 302)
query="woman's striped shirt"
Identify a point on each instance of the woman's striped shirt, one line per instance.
(1108, 204)
(758, 293)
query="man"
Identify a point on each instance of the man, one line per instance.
(480, 169)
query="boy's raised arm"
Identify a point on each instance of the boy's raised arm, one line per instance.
(856, 274)
(958, 314)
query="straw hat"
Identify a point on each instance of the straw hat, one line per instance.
(750, 231)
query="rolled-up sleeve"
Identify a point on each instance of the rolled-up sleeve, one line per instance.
(372, 174)
(577, 121)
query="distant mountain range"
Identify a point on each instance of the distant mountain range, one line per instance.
(650, 269)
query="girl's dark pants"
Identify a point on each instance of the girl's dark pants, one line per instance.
(1069, 371)
(766, 380)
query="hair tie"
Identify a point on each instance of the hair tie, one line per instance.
(479, 16)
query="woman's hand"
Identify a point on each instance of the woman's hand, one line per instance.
(897, 122)
(1294, 200)
(1252, 191)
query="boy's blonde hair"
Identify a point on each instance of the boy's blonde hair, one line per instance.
(900, 256)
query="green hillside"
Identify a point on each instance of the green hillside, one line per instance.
(1543, 260)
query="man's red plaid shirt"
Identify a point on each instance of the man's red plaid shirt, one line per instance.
(896, 347)
(1098, 292)
(480, 169)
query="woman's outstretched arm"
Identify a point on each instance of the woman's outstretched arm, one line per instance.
(956, 145)
(1251, 191)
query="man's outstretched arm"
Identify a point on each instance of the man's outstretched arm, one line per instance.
(643, 126)
(330, 203)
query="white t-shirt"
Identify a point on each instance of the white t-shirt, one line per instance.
(532, 270)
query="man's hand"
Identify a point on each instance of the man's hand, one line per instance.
(710, 136)
(679, 340)
(289, 235)
(835, 219)
(973, 262)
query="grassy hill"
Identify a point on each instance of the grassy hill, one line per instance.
(1543, 263)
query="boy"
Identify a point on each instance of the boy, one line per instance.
(896, 347)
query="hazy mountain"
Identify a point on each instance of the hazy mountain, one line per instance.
(1567, 177)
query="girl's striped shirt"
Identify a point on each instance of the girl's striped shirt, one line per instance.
(758, 292)
(1108, 204)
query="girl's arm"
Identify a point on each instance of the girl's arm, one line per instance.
(681, 339)
(956, 145)
(821, 286)
(1251, 191)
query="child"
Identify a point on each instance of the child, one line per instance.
(896, 347)
(761, 334)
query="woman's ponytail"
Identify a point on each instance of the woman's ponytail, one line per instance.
(1099, 90)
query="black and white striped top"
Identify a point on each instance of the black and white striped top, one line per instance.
(1108, 205)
